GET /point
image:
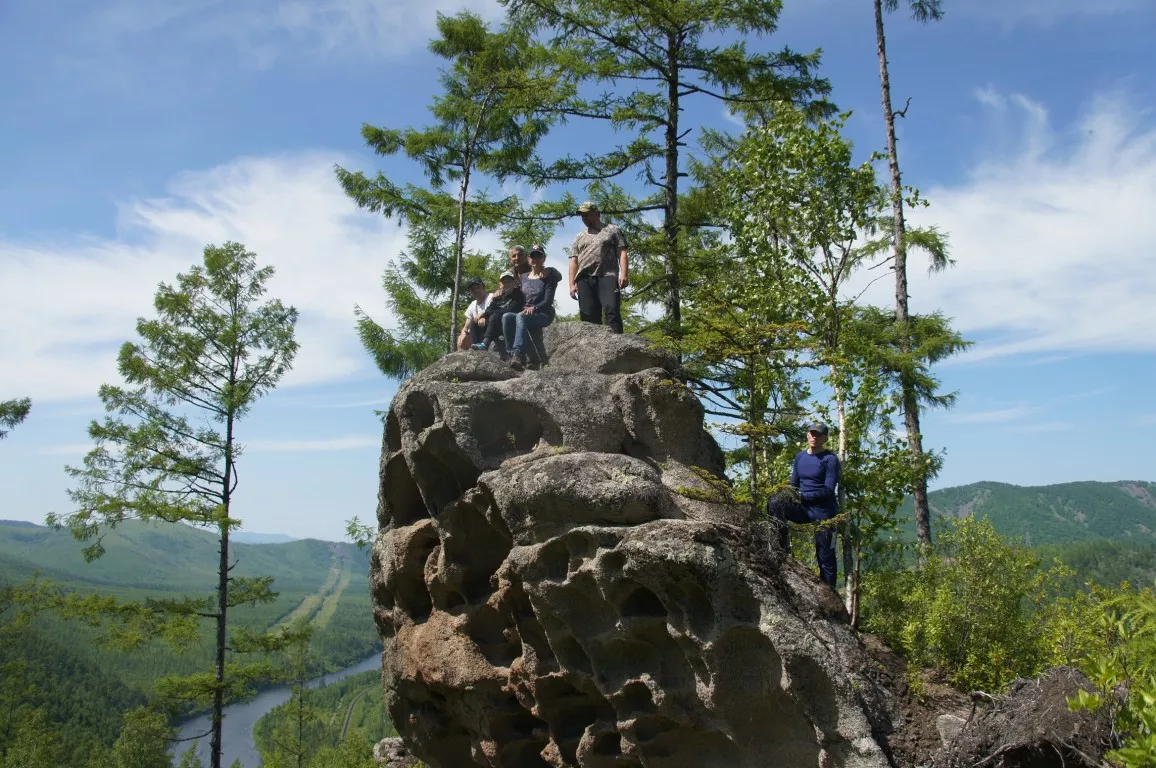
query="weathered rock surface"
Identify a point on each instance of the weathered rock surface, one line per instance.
(558, 581)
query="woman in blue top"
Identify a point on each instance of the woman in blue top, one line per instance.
(815, 475)
(538, 285)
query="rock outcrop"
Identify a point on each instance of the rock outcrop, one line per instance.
(559, 580)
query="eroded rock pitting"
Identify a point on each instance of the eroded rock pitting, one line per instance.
(554, 586)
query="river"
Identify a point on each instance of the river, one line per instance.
(237, 729)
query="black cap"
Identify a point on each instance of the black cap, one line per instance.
(476, 281)
(819, 427)
(537, 250)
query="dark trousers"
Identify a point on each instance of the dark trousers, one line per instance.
(474, 332)
(494, 328)
(598, 296)
(824, 537)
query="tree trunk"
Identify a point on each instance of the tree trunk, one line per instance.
(850, 588)
(902, 317)
(670, 188)
(222, 602)
(753, 440)
(459, 247)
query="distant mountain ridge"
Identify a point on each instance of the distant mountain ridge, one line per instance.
(1065, 513)
(249, 537)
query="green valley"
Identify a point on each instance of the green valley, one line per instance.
(61, 665)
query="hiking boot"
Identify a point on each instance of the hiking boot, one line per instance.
(478, 347)
(516, 362)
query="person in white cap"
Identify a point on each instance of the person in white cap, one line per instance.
(598, 269)
(510, 299)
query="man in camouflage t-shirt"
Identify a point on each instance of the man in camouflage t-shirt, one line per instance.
(598, 269)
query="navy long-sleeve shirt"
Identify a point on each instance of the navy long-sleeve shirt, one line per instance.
(816, 475)
(540, 290)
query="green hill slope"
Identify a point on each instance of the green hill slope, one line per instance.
(324, 583)
(1054, 514)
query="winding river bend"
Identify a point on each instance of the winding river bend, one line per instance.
(237, 730)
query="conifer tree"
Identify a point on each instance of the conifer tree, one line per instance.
(923, 11)
(12, 412)
(169, 448)
(489, 119)
(655, 55)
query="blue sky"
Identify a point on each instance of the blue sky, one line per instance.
(134, 132)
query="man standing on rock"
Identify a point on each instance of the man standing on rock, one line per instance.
(598, 269)
(814, 474)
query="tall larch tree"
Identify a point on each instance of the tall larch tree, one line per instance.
(168, 450)
(923, 11)
(654, 55)
(488, 120)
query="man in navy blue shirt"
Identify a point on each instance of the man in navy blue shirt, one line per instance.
(814, 474)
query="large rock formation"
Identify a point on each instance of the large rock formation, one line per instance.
(560, 581)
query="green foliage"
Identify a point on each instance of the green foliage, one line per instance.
(168, 452)
(1056, 514)
(357, 699)
(489, 119)
(977, 612)
(639, 62)
(12, 412)
(1124, 672)
(35, 744)
(143, 742)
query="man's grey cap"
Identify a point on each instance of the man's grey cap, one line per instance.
(819, 427)
(588, 206)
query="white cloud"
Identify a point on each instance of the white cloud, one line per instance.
(1053, 240)
(996, 416)
(346, 443)
(66, 306)
(264, 30)
(1046, 11)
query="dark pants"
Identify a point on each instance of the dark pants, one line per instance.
(474, 332)
(824, 537)
(598, 295)
(494, 328)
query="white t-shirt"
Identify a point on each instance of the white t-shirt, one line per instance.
(475, 310)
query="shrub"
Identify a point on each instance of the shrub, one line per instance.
(1124, 672)
(974, 612)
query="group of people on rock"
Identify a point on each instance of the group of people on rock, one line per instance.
(523, 303)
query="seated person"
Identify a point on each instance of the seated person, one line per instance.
(538, 285)
(510, 299)
(472, 332)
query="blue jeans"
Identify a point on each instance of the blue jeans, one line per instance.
(824, 537)
(515, 324)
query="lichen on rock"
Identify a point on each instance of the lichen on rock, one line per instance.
(548, 597)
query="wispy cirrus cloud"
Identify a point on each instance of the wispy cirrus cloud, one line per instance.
(261, 31)
(1052, 237)
(345, 443)
(993, 416)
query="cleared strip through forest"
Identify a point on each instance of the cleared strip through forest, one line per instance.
(320, 606)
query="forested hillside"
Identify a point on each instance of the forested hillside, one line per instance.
(61, 666)
(1054, 514)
